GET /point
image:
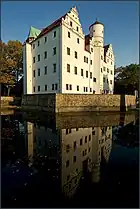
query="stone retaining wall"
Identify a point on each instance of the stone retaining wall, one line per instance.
(5, 101)
(79, 102)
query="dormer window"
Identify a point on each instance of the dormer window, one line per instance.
(70, 23)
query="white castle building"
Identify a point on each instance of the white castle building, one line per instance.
(62, 59)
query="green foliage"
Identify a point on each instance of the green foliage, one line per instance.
(128, 77)
(10, 62)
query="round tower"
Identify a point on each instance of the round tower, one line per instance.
(96, 30)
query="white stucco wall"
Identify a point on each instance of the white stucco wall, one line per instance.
(61, 77)
(51, 77)
(27, 69)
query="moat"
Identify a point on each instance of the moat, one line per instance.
(69, 161)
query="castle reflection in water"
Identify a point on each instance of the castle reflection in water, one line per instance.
(75, 151)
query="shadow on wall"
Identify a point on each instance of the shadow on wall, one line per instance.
(106, 89)
(122, 103)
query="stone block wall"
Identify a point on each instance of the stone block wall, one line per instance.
(78, 102)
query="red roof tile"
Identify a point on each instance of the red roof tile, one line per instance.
(51, 27)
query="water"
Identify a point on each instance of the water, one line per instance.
(69, 160)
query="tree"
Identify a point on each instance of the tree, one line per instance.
(127, 79)
(11, 63)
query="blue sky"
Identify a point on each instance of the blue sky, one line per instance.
(121, 20)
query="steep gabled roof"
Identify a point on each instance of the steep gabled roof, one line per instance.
(87, 42)
(55, 24)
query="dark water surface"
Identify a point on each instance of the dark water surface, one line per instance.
(69, 161)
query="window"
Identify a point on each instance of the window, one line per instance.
(68, 34)
(68, 51)
(81, 141)
(52, 86)
(107, 80)
(90, 89)
(78, 40)
(38, 57)
(83, 153)
(68, 177)
(45, 70)
(77, 28)
(86, 89)
(33, 59)
(67, 163)
(74, 144)
(101, 57)
(69, 186)
(70, 23)
(68, 68)
(91, 62)
(67, 87)
(107, 60)
(75, 70)
(101, 70)
(34, 73)
(54, 34)
(38, 88)
(111, 63)
(74, 159)
(87, 74)
(33, 46)
(77, 88)
(34, 89)
(38, 72)
(85, 139)
(89, 137)
(103, 79)
(45, 39)
(111, 72)
(67, 148)
(90, 74)
(38, 43)
(45, 55)
(77, 129)
(107, 70)
(91, 49)
(70, 87)
(82, 73)
(104, 68)
(93, 132)
(94, 79)
(54, 68)
(89, 149)
(54, 50)
(56, 86)
(76, 55)
(84, 59)
(45, 87)
(110, 81)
